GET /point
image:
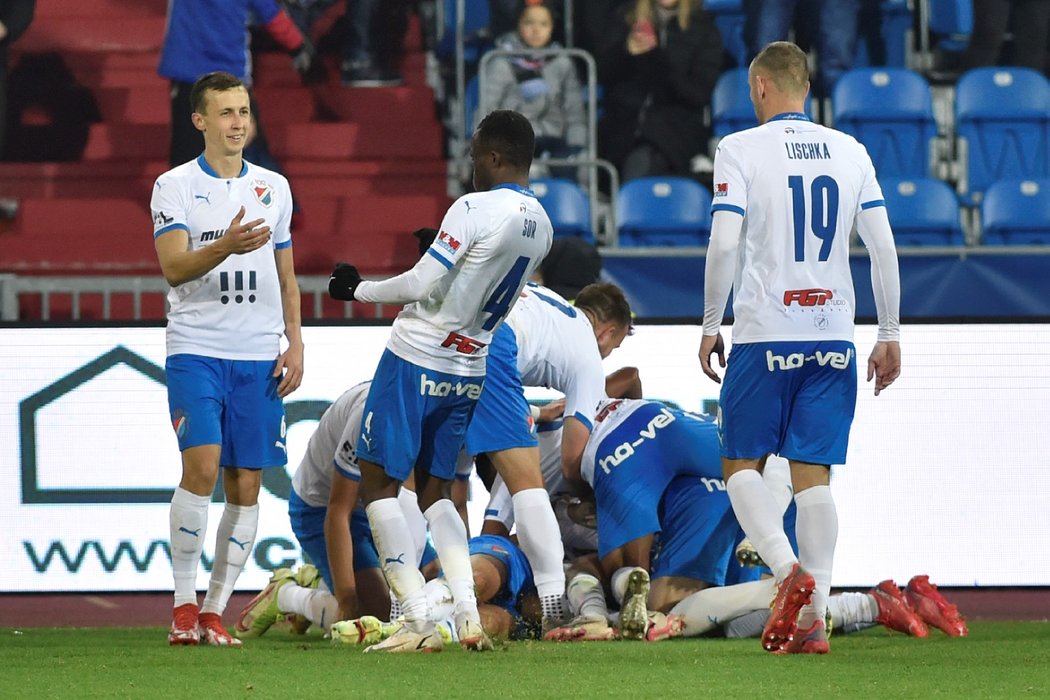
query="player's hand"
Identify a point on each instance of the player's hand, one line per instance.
(290, 364)
(551, 411)
(884, 364)
(243, 238)
(712, 344)
(343, 282)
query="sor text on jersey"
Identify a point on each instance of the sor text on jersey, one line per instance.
(625, 449)
(807, 151)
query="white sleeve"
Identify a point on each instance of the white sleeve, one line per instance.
(873, 225)
(720, 267)
(411, 285)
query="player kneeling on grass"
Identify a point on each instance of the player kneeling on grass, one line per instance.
(506, 593)
(333, 531)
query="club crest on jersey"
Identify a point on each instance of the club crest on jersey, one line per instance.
(263, 192)
(722, 189)
(446, 241)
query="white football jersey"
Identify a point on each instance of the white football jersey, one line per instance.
(492, 242)
(557, 349)
(233, 311)
(610, 414)
(332, 446)
(799, 187)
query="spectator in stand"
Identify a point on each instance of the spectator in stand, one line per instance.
(1030, 21)
(836, 32)
(208, 35)
(659, 65)
(370, 36)
(15, 16)
(546, 89)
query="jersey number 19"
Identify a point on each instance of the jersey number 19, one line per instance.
(823, 213)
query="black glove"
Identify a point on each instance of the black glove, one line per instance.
(426, 237)
(343, 282)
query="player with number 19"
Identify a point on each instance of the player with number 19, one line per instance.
(432, 372)
(787, 195)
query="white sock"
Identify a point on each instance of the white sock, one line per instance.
(586, 596)
(440, 599)
(188, 523)
(315, 604)
(395, 607)
(777, 477)
(540, 539)
(234, 539)
(817, 529)
(417, 524)
(852, 609)
(395, 545)
(763, 524)
(450, 540)
(618, 583)
(707, 609)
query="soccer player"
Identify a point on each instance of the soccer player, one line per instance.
(545, 342)
(332, 528)
(431, 375)
(788, 194)
(221, 230)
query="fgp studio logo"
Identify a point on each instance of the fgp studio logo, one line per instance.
(275, 481)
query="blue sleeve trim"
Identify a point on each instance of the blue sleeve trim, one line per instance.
(583, 419)
(462, 477)
(491, 511)
(170, 227)
(436, 256)
(548, 426)
(282, 246)
(349, 475)
(727, 207)
(873, 203)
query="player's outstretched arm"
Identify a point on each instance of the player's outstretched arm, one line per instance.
(181, 265)
(884, 364)
(573, 442)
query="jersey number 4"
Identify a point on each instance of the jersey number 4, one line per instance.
(823, 213)
(503, 296)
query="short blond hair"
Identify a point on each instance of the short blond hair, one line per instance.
(785, 64)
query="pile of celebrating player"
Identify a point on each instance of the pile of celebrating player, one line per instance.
(610, 516)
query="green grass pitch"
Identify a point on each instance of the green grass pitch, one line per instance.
(998, 659)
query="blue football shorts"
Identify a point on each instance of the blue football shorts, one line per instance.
(502, 419)
(231, 403)
(632, 471)
(697, 531)
(795, 399)
(415, 415)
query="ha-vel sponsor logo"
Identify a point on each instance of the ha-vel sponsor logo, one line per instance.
(429, 387)
(627, 448)
(835, 360)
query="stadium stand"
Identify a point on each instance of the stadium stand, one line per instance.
(1016, 212)
(1002, 118)
(365, 165)
(731, 108)
(567, 206)
(890, 111)
(922, 211)
(663, 211)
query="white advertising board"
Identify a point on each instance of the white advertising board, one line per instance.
(944, 473)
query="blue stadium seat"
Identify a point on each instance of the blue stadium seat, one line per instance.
(663, 211)
(729, 18)
(922, 211)
(890, 111)
(566, 205)
(1002, 118)
(731, 108)
(1016, 212)
(476, 36)
(951, 23)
